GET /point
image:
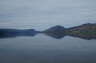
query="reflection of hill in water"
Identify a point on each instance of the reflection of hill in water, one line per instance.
(85, 31)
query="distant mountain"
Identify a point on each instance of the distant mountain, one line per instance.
(86, 26)
(56, 31)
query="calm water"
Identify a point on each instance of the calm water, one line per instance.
(45, 49)
(40, 15)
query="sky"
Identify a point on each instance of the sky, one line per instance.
(42, 14)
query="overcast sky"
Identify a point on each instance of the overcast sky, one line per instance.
(41, 14)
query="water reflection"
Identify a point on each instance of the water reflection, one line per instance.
(63, 35)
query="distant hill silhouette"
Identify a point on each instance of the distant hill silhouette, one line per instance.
(6, 33)
(85, 31)
(55, 32)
